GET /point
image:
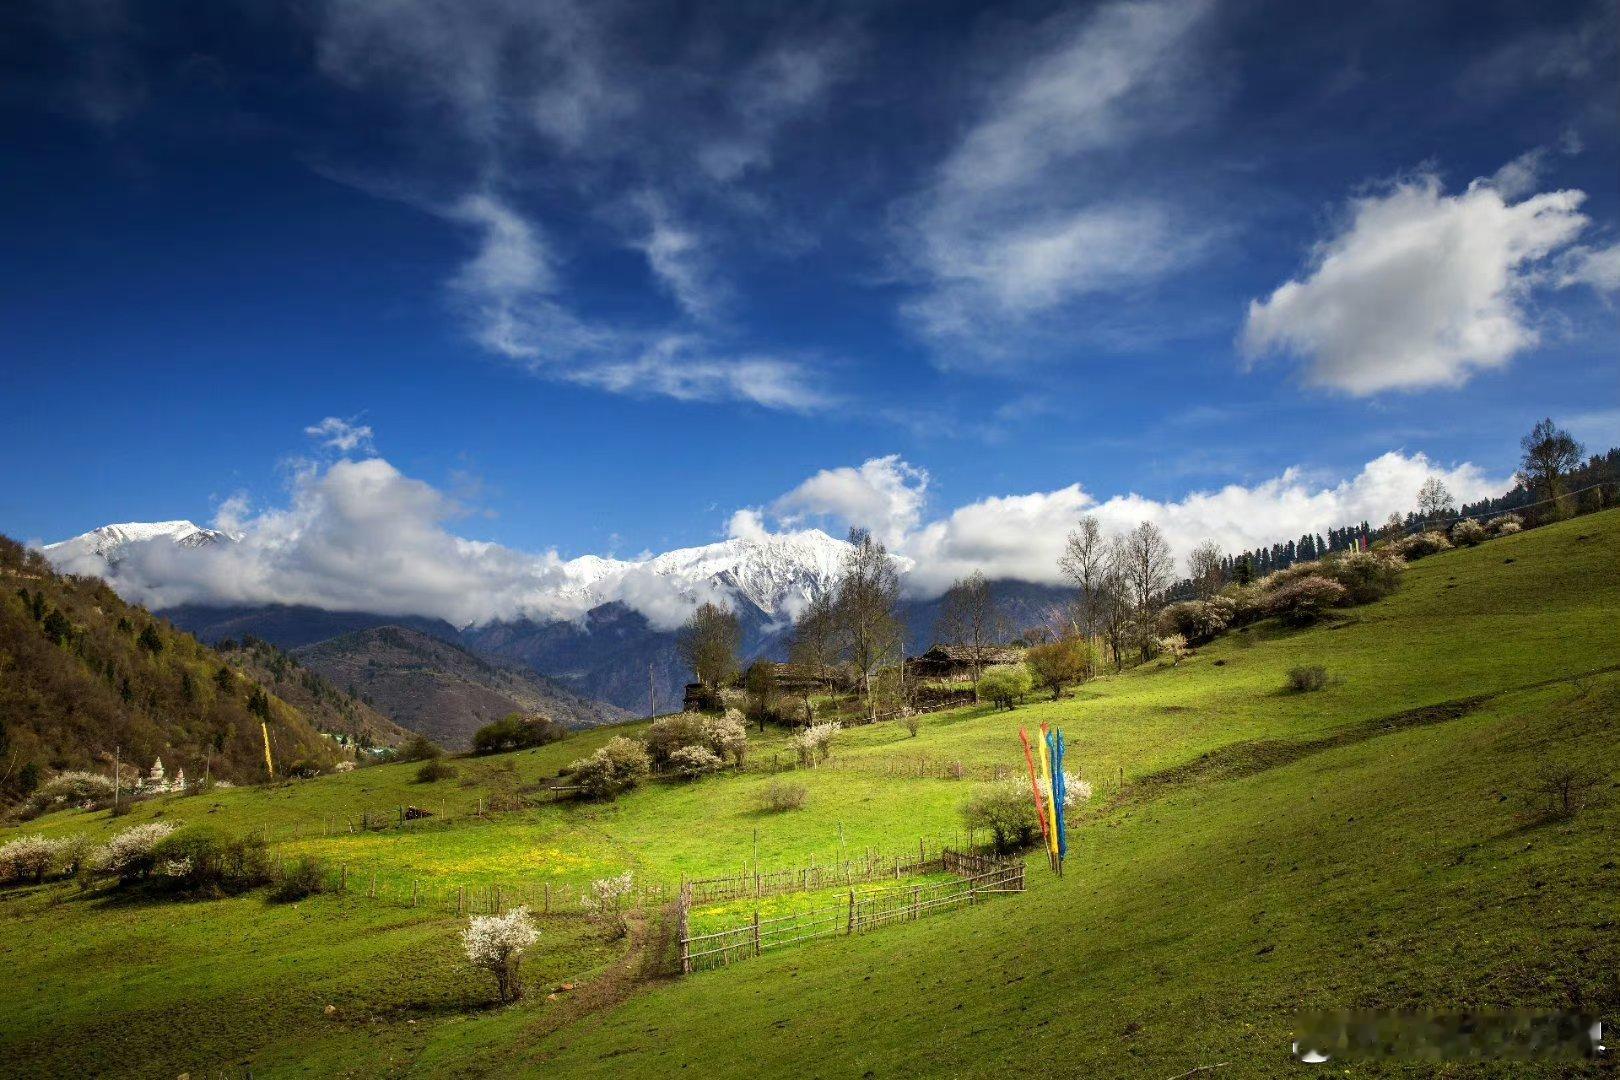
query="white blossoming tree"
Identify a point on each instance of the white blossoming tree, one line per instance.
(693, 761)
(130, 854)
(497, 943)
(608, 901)
(814, 743)
(27, 858)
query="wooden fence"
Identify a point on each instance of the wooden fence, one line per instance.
(870, 867)
(483, 898)
(856, 914)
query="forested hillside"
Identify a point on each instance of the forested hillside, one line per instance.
(328, 707)
(86, 678)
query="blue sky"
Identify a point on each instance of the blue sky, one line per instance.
(603, 275)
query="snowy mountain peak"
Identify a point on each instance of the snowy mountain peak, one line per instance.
(109, 541)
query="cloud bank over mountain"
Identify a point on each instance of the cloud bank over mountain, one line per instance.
(359, 535)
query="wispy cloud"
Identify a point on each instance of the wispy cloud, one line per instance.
(1013, 224)
(342, 435)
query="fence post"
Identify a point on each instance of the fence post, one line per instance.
(851, 928)
(681, 908)
(756, 931)
(414, 886)
(916, 902)
(373, 893)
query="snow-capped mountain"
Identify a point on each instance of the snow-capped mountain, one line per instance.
(109, 541)
(776, 573)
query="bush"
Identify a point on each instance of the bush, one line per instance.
(69, 789)
(1302, 601)
(618, 766)
(1005, 684)
(304, 878)
(129, 855)
(1007, 809)
(1248, 604)
(73, 854)
(27, 859)
(1505, 524)
(727, 736)
(1560, 790)
(433, 771)
(814, 744)
(199, 859)
(1304, 679)
(607, 901)
(1467, 532)
(1198, 621)
(517, 732)
(668, 734)
(779, 796)
(1365, 575)
(420, 748)
(1061, 662)
(693, 761)
(497, 943)
(1420, 545)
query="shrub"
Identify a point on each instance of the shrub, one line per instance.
(1308, 677)
(607, 900)
(1007, 809)
(420, 748)
(517, 732)
(497, 943)
(1248, 603)
(1302, 601)
(779, 796)
(433, 771)
(1420, 544)
(727, 736)
(73, 853)
(1058, 663)
(130, 855)
(814, 744)
(1467, 532)
(303, 878)
(1005, 684)
(668, 734)
(27, 858)
(1560, 790)
(1505, 524)
(913, 723)
(1365, 575)
(1198, 620)
(200, 859)
(618, 766)
(73, 788)
(693, 761)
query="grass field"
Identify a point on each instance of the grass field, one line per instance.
(1361, 846)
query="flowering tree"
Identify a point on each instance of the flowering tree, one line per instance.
(1007, 809)
(27, 858)
(693, 761)
(131, 854)
(814, 743)
(497, 943)
(607, 901)
(727, 736)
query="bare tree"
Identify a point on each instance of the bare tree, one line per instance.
(968, 617)
(708, 644)
(1550, 454)
(1204, 567)
(817, 641)
(1143, 560)
(1113, 613)
(868, 607)
(1434, 500)
(1084, 562)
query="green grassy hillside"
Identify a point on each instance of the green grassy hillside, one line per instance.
(1363, 846)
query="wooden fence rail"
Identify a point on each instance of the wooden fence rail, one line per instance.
(983, 876)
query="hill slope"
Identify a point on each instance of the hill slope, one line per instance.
(440, 689)
(85, 677)
(1250, 853)
(329, 708)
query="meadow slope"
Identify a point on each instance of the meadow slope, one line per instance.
(1249, 853)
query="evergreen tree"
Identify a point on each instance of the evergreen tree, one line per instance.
(225, 681)
(150, 639)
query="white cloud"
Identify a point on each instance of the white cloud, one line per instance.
(340, 434)
(884, 495)
(1021, 536)
(1419, 288)
(1013, 224)
(1596, 267)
